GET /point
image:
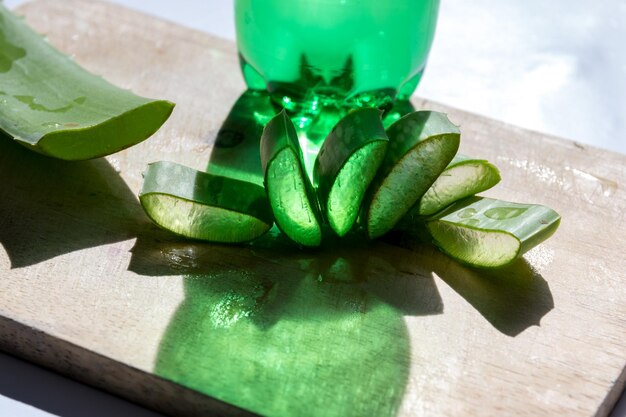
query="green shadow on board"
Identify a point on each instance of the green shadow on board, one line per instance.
(306, 334)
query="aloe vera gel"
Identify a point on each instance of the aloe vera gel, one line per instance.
(422, 144)
(198, 205)
(491, 233)
(347, 164)
(289, 190)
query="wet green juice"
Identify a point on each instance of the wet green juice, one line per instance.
(348, 53)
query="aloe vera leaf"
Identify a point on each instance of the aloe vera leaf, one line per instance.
(464, 177)
(491, 233)
(203, 206)
(346, 165)
(51, 105)
(288, 187)
(421, 145)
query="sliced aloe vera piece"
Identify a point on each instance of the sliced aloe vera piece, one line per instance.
(51, 105)
(421, 145)
(202, 206)
(490, 233)
(463, 177)
(287, 185)
(346, 165)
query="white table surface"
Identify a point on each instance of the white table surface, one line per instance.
(557, 67)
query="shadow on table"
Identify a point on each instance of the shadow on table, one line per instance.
(511, 298)
(285, 331)
(282, 331)
(50, 207)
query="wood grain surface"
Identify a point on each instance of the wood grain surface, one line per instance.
(90, 288)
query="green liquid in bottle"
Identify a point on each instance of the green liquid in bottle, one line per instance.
(345, 53)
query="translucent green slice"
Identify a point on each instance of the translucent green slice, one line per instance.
(464, 177)
(421, 145)
(202, 206)
(346, 165)
(287, 193)
(51, 105)
(490, 233)
(290, 192)
(350, 185)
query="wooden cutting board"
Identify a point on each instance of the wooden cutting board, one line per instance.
(90, 288)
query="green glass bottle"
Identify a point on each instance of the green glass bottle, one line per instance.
(345, 53)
